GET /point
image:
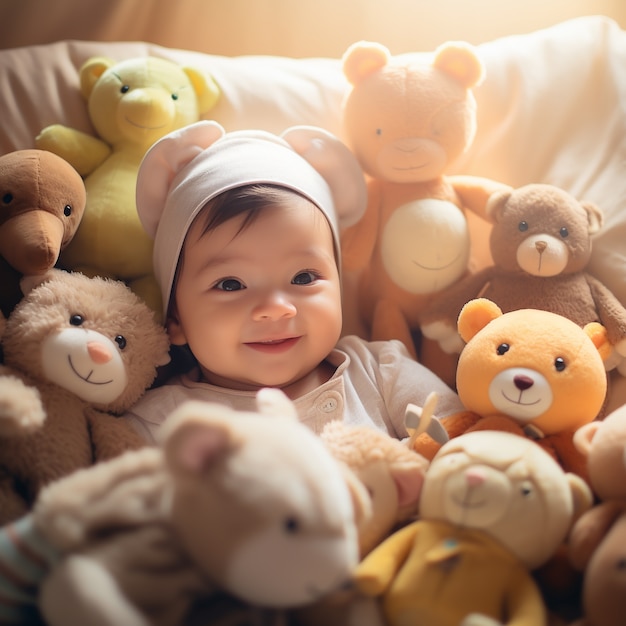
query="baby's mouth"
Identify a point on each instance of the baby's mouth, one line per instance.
(273, 345)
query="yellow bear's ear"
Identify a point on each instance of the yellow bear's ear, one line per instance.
(597, 333)
(475, 315)
(460, 60)
(362, 59)
(205, 87)
(91, 71)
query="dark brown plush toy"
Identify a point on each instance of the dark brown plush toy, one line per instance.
(42, 201)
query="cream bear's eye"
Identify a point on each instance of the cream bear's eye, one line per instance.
(76, 319)
(291, 525)
(124, 88)
(120, 340)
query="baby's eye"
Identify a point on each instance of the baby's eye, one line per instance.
(304, 278)
(229, 284)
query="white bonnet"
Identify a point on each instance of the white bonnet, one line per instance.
(185, 169)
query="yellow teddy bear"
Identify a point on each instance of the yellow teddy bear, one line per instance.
(131, 104)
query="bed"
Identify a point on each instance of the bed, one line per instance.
(552, 107)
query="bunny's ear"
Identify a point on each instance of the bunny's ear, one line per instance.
(337, 165)
(161, 164)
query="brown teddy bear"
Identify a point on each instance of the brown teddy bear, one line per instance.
(541, 244)
(597, 545)
(531, 372)
(247, 503)
(407, 118)
(77, 350)
(42, 201)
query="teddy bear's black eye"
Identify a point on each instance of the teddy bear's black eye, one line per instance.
(526, 489)
(503, 348)
(124, 88)
(120, 340)
(291, 525)
(174, 96)
(522, 227)
(67, 210)
(76, 319)
(559, 364)
(564, 232)
(7, 198)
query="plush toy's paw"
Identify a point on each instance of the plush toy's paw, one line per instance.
(121, 493)
(445, 334)
(21, 410)
(478, 619)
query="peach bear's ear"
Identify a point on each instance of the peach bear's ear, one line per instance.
(597, 333)
(461, 61)
(475, 315)
(362, 59)
(90, 72)
(583, 437)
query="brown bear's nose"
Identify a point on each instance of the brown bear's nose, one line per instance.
(540, 246)
(523, 382)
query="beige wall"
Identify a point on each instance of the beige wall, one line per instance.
(286, 27)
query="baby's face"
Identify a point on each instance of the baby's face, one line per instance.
(260, 307)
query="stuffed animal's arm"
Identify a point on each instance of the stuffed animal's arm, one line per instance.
(438, 320)
(81, 150)
(474, 191)
(590, 529)
(121, 493)
(378, 569)
(611, 313)
(110, 436)
(358, 241)
(21, 409)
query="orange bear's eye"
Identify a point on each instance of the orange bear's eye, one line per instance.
(503, 348)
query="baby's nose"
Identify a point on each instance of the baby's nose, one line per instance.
(275, 305)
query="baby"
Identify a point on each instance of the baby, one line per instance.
(246, 253)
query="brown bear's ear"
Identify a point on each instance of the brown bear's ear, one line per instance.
(583, 437)
(362, 59)
(595, 217)
(495, 205)
(597, 333)
(91, 71)
(460, 60)
(475, 315)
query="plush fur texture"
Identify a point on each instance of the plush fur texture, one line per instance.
(493, 507)
(541, 243)
(531, 372)
(131, 103)
(77, 350)
(251, 504)
(407, 118)
(598, 540)
(42, 201)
